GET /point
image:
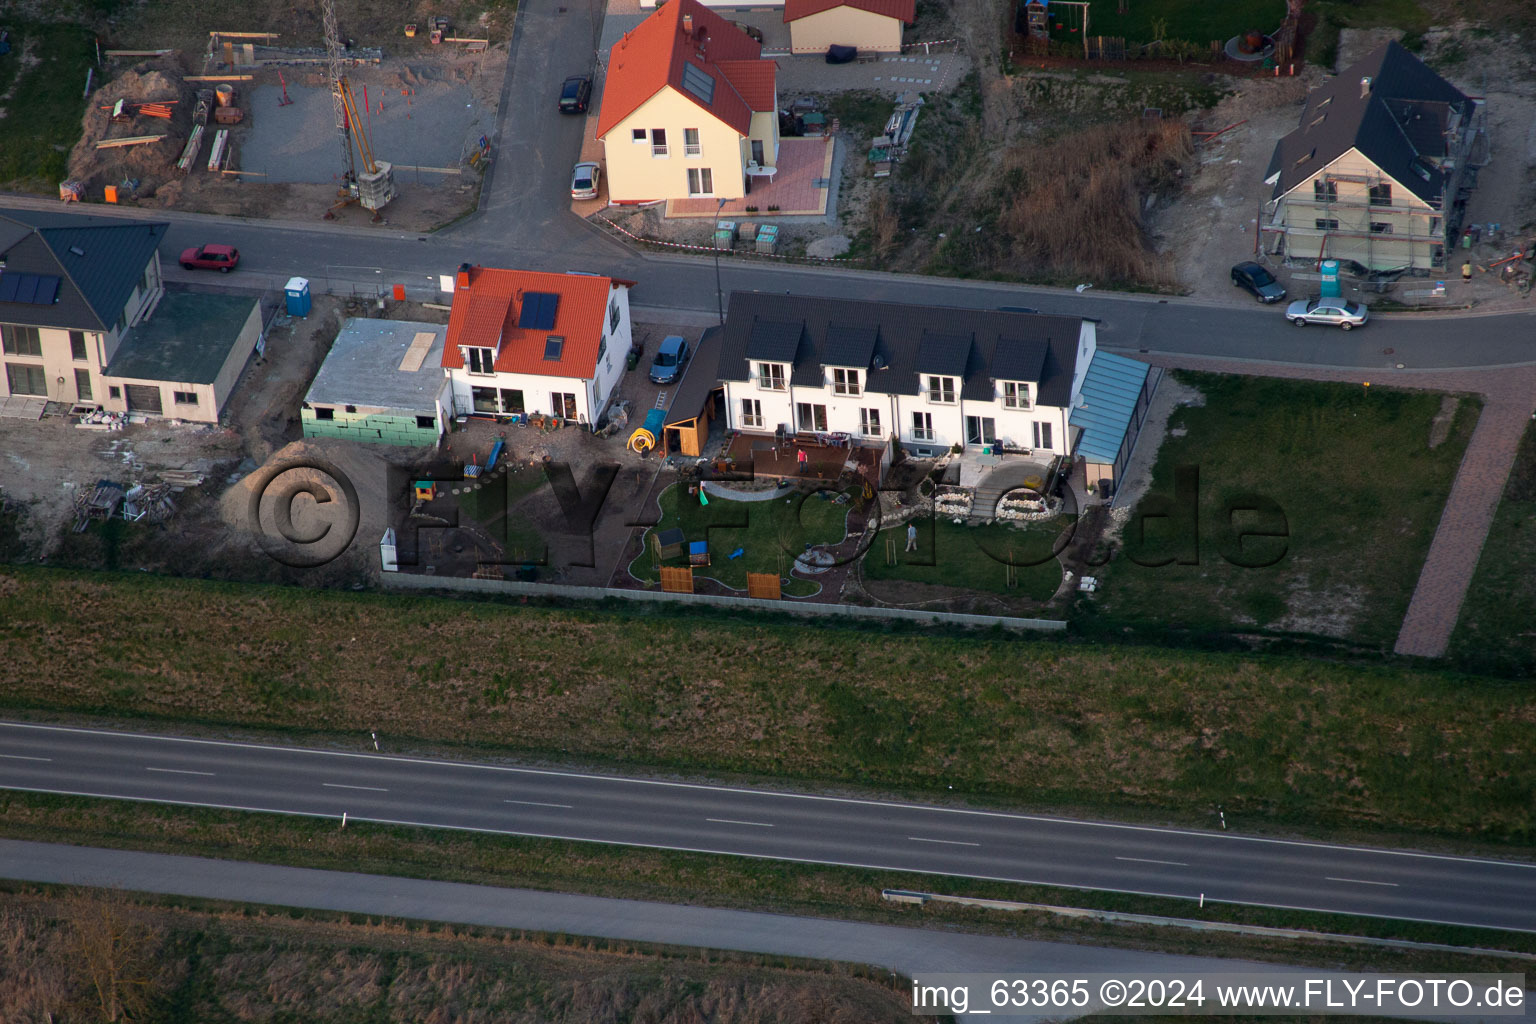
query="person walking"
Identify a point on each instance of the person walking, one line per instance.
(1466, 271)
(801, 460)
(911, 536)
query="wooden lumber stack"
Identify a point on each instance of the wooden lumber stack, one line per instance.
(189, 152)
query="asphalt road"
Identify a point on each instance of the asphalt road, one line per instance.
(914, 952)
(1180, 863)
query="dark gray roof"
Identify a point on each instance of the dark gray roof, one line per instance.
(699, 379)
(978, 345)
(100, 260)
(363, 367)
(1347, 113)
(944, 354)
(186, 341)
(849, 344)
(774, 342)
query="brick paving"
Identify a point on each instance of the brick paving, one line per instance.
(793, 189)
(1509, 396)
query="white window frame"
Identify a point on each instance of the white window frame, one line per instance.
(1043, 435)
(487, 358)
(752, 413)
(922, 427)
(818, 417)
(846, 382)
(869, 422)
(701, 181)
(659, 150)
(694, 148)
(771, 377)
(639, 136)
(941, 390)
(1019, 399)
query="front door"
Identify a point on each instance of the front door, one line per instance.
(757, 152)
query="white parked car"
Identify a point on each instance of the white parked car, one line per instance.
(584, 179)
(1346, 315)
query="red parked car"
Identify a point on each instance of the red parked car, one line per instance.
(222, 258)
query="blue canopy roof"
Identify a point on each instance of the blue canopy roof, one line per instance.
(1110, 389)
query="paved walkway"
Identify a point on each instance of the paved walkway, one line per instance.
(910, 951)
(1509, 396)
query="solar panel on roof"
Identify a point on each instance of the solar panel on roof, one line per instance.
(538, 312)
(31, 289)
(698, 82)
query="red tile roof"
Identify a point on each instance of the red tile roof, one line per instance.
(487, 310)
(653, 55)
(754, 80)
(905, 10)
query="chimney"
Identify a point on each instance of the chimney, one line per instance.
(1365, 87)
(687, 24)
(463, 281)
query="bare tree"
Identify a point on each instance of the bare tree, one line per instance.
(115, 953)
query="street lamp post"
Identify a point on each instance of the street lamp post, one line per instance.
(719, 291)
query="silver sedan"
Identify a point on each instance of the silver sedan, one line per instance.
(1337, 312)
(584, 178)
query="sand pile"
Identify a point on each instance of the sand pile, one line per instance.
(152, 163)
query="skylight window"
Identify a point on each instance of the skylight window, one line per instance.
(552, 346)
(698, 82)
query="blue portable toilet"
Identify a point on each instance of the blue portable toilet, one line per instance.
(1330, 288)
(298, 296)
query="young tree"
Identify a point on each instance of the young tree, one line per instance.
(115, 953)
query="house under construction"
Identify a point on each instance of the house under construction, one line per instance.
(1380, 169)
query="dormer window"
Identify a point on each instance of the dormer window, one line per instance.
(846, 382)
(770, 376)
(941, 390)
(480, 360)
(1016, 395)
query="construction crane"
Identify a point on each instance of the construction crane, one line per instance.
(374, 186)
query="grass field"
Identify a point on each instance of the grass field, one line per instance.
(1357, 487)
(710, 880)
(1308, 743)
(211, 962)
(1497, 628)
(974, 557)
(42, 92)
(769, 533)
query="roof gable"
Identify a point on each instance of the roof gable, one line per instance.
(692, 50)
(1375, 106)
(488, 310)
(99, 262)
(903, 10)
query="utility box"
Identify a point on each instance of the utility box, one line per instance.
(297, 291)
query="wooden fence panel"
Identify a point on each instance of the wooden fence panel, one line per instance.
(677, 579)
(764, 585)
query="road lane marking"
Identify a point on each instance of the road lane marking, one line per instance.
(177, 771)
(947, 842)
(1144, 860)
(1232, 837)
(535, 803)
(1358, 881)
(1523, 928)
(24, 757)
(338, 785)
(728, 821)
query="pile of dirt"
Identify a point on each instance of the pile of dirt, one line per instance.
(152, 163)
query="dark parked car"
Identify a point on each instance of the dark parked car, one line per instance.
(842, 54)
(670, 359)
(222, 258)
(574, 94)
(1259, 281)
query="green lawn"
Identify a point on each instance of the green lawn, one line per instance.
(1089, 728)
(1358, 490)
(1198, 21)
(42, 114)
(769, 533)
(1497, 628)
(974, 557)
(489, 506)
